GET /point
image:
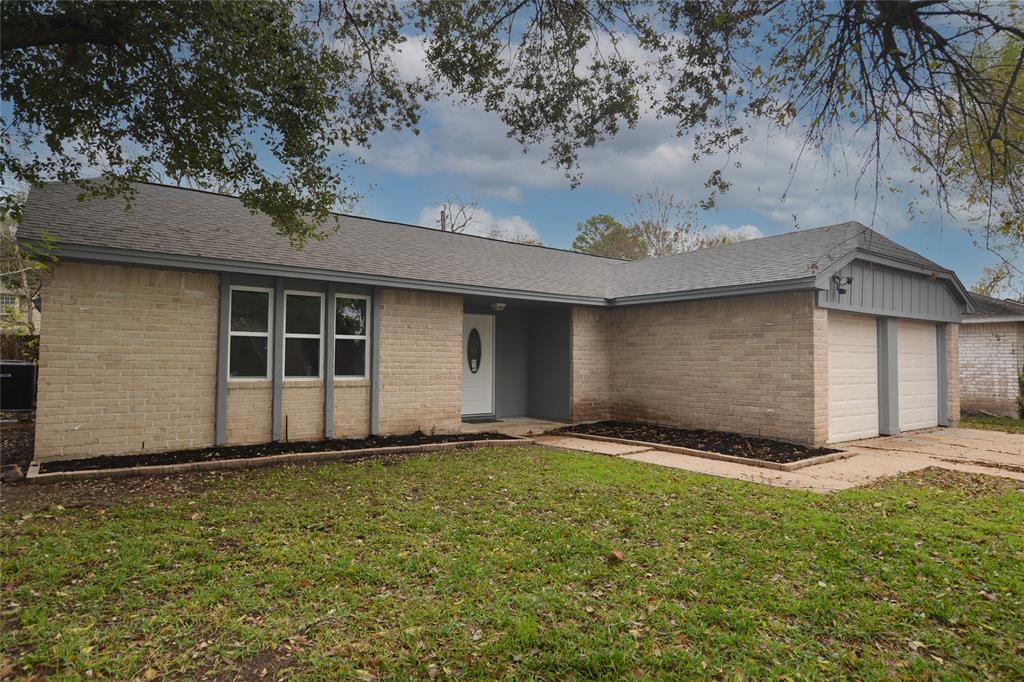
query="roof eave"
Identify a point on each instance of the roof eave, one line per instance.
(993, 319)
(798, 284)
(222, 265)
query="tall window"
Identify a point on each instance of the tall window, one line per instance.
(350, 330)
(303, 319)
(249, 331)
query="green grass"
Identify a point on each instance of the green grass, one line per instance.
(494, 563)
(987, 421)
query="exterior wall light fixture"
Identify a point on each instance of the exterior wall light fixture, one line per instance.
(841, 283)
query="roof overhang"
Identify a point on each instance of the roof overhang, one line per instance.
(222, 265)
(993, 319)
(801, 284)
(96, 254)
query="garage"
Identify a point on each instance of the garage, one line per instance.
(852, 377)
(918, 375)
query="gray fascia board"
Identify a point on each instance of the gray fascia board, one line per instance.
(859, 254)
(801, 284)
(204, 264)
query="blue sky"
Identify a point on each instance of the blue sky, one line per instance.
(464, 152)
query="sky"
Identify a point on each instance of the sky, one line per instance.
(464, 153)
(777, 187)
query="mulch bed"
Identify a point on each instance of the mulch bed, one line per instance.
(263, 450)
(763, 449)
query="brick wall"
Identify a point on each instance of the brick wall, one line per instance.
(249, 411)
(420, 362)
(749, 364)
(302, 410)
(991, 357)
(351, 408)
(591, 359)
(128, 358)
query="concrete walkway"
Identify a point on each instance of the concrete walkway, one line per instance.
(974, 451)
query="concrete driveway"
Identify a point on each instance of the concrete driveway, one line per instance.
(970, 450)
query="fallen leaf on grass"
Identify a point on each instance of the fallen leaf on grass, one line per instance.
(615, 556)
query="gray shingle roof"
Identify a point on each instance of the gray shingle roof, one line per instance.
(794, 255)
(193, 224)
(986, 307)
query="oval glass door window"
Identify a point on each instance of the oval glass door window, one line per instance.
(473, 350)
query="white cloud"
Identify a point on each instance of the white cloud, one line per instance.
(485, 223)
(774, 175)
(745, 231)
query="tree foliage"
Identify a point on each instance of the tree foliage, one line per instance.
(203, 91)
(603, 235)
(999, 281)
(660, 224)
(24, 270)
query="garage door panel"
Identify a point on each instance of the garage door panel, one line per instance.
(918, 375)
(852, 377)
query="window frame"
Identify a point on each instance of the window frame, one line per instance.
(285, 335)
(365, 338)
(268, 335)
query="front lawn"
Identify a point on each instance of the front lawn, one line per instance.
(499, 563)
(992, 423)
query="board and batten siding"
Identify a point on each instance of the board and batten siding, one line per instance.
(879, 290)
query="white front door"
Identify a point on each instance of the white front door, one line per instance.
(918, 375)
(478, 364)
(852, 377)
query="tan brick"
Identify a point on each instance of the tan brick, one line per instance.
(748, 364)
(127, 362)
(420, 362)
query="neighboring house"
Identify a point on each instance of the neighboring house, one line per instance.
(10, 312)
(186, 321)
(992, 356)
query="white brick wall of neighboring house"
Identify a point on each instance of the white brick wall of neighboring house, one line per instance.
(991, 358)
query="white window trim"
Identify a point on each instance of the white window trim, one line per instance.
(364, 337)
(268, 335)
(319, 337)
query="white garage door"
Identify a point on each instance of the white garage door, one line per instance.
(852, 377)
(918, 375)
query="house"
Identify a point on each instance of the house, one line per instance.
(11, 317)
(992, 356)
(186, 321)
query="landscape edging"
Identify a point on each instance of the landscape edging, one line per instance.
(34, 476)
(778, 466)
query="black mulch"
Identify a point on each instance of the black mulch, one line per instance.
(764, 449)
(263, 450)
